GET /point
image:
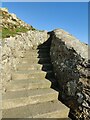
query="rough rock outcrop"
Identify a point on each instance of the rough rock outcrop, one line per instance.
(10, 20)
(71, 68)
(11, 25)
(13, 49)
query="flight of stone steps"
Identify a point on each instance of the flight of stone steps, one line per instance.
(29, 94)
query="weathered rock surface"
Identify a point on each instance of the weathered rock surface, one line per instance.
(72, 70)
(10, 20)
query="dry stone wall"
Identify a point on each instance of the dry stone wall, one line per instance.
(13, 49)
(71, 68)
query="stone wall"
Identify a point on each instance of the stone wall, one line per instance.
(71, 68)
(13, 49)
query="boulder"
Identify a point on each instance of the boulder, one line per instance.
(71, 69)
(4, 9)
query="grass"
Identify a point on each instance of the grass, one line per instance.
(7, 32)
(12, 29)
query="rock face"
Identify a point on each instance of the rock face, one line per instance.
(11, 25)
(71, 68)
(11, 20)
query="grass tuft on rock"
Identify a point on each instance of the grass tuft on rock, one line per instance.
(7, 32)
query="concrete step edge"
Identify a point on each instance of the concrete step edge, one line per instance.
(40, 109)
(27, 86)
(63, 115)
(18, 102)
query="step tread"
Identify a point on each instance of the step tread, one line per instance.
(27, 81)
(31, 71)
(26, 93)
(39, 50)
(34, 64)
(17, 85)
(35, 110)
(38, 55)
(36, 79)
(38, 74)
(34, 59)
(44, 47)
(27, 66)
(35, 52)
(45, 58)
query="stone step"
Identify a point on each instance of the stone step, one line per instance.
(26, 97)
(31, 74)
(51, 109)
(27, 66)
(58, 114)
(35, 60)
(34, 79)
(35, 54)
(44, 47)
(39, 50)
(18, 85)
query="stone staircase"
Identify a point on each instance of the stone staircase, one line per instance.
(29, 94)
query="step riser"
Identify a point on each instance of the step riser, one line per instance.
(33, 78)
(35, 60)
(44, 47)
(39, 50)
(29, 100)
(29, 86)
(38, 111)
(37, 55)
(56, 114)
(33, 67)
(32, 75)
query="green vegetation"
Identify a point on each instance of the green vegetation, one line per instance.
(7, 32)
(12, 26)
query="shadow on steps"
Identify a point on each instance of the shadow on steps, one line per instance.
(46, 63)
(45, 48)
